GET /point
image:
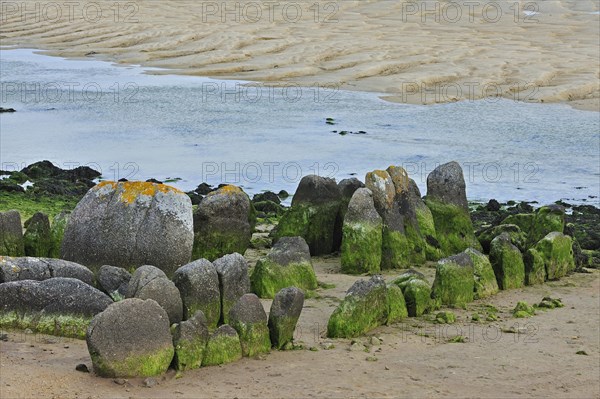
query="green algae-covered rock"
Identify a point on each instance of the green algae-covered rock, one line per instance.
(37, 239)
(523, 220)
(249, 319)
(223, 347)
(189, 339)
(426, 224)
(507, 261)
(454, 281)
(130, 338)
(11, 234)
(403, 279)
(361, 235)
(517, 236)
(523, 309)
(283, 317)
(233, 281)
(198, 285)
(535, 267)
(547, 219)
(223, 223)
(288, 264)
(417, 295)
(485, 279)
(313, 215)
(396, 305)
(557, 251)
(364, 307)
(445, 317)
(57, 232)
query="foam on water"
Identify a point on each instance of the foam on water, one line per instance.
(135, 125)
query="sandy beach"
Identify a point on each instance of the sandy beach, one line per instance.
(420, 52)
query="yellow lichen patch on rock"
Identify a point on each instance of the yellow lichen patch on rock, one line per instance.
(131, 190)
(229, 189)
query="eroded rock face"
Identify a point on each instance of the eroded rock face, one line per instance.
(130, 338)
(130, 224)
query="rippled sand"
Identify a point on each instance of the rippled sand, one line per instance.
(413, 51)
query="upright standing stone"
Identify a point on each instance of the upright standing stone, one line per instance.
(223, 347)
(454, 281)
(507, 262)
(57, 232)
(249, 319)
(288, 264)
(38, 242)
(11, 234)
(283, 317)
(485, 279)
(556, 249)
(130, 338)
(223, 223)
(347, 189)
(198, 284)
(547, 219)
(233, 280)
(130, 224)
(447, 200)
(313, 214)
(189, 339)
(149, 282)
(362, 235)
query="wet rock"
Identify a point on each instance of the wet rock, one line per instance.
(114, 281)
(149, 282)
(130, 338)
(29, 268)
(130, 224)
(266, 196)
(204, 189)
(284, 314)
(288, 264)
(362, 235)
(445, 317)
(11, 234)
(223, 347)
(189, 339)
(493, 206)
(523, 310)
(233, 281)
(198, 284)
(37, 239)
(364, 307)
(454, 281)
(249, 319)
(313, 215)
(507, 262)
(222, 223)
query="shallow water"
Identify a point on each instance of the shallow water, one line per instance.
(135, 125)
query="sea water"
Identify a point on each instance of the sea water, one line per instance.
(139, 123)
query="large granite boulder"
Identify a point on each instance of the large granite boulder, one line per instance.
(362, 235)
(37, 239)
(223, 347)
(223, 223)
(234, 281)
(198, 284)
(454, 281)
(284, 314)
(130, 338)
(447, 200)
(11, 234)
(189, 339)
(249, 319)
(288, 264)
(507, 262)
(130, 224)
(28, 268)
(57, 306)
(364, 307)
(314, 214)
(149, 282)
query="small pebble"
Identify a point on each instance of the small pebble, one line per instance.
(149, 382)
(82, 367)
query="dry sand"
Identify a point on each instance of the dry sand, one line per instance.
(413, 51)
(414, 359)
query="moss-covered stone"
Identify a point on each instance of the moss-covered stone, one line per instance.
(454, 281)
(11, 234)
(523, 309)
(485, 279)
(517, 236)
(427, 228)
(402, 280)
(254, 338)
(37, 240)
(557, 251)
(535, 268)
(361, 248)
(417, 294)
(189, 339)
(223, 347)
(453, 226)
(214, 244)
(547, 219)
(364, 308)
(396, 304)
(57, 232)
(269, 277)
(52, 324)
(149, 365)
(523, 220)
(550, 303)
(507, 262)
(445, 317)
